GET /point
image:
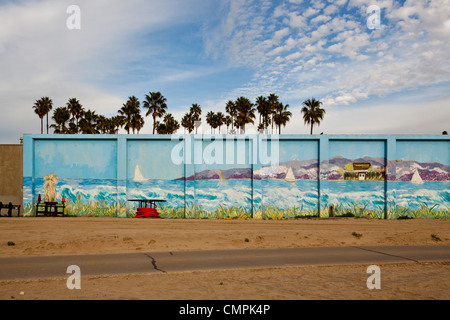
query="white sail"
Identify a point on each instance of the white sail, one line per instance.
(138, 175)
(289, 176)
(416, 178)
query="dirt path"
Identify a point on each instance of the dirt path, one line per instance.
(61, 236)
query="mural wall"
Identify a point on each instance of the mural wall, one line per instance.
(269, 177)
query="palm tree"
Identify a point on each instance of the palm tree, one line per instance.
(156, 105)
(88, 122)
(102, 124)
(272, 100)
(130, 110)
(75, 108)
(73, 128)
(117, 123)
(312, 112)
(48, 106)
(137, 123)
(127, 113)
(187, 122)
(106, 125)
(40, 110)
(196, 112)
(228, 121)
(210, 119)
(230, 108)
(281, 116)
(245, 112)
(61, 115)
(261, 103)
(220, 119)
(168, 126)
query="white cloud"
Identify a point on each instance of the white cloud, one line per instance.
(409, 51)
(296, 21)
(329, 10)
(310, 12)
(40, 56)
(320, 19)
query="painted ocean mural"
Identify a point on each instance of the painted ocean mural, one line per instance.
(355, 179)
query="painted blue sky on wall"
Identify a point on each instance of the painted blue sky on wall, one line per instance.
(71, 159)
(295, 150)
(357, 149)
(424, 151)
(154, 159)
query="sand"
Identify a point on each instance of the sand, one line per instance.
(63, 236)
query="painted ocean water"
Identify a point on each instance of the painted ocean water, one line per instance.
(301, 194)
(431, 193)
(403, 193)
(213, 194)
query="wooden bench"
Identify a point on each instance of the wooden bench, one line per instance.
(10, 208)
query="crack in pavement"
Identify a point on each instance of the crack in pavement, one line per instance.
(387, 254)
(154, 263)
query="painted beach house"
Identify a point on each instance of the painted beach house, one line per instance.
(363, 171)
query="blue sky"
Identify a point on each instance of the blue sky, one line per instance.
(392, 80)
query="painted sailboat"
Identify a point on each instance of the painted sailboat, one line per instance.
(222, 181)
(416, 178)
(138, 177)
(290, 176)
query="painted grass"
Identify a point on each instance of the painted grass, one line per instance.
(426, 211)
(273, 213)
(354, 209)
(90, 209)
(193, 211)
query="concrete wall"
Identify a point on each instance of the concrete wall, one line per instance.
(11, 169)
(243, 176)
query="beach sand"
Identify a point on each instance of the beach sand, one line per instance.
(67, 236)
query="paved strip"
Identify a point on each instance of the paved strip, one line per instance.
(163, 262)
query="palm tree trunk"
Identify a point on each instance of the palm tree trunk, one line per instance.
(42, 125)
(272, 125)
(47, 122)
(154, 121)
(312, 124)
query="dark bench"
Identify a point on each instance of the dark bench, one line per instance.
(50, 209)
(10, 208)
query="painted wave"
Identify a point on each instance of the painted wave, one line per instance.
(212, 194)
(286, 195)
(430, 193)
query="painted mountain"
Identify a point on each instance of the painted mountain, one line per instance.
(302, 170)
(434, 171)
(218, 174)
(336, 166)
